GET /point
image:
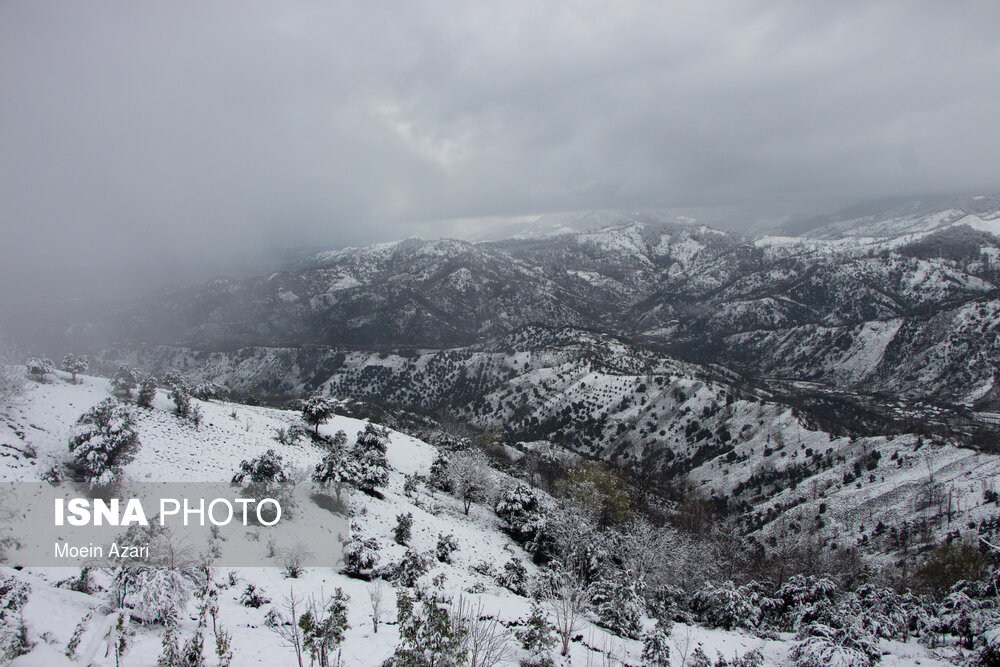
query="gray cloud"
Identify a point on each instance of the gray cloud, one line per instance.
(174, 137)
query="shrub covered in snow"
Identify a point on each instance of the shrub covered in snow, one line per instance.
(427, 634)
(360, 556)
(124, 381)
(13, 637)
(446, 546)
(821, 645)
(727, 606)
(617, 602)
(104, 439)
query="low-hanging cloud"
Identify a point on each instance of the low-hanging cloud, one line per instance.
(159, 139)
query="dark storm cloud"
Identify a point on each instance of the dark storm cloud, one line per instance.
(169, 137)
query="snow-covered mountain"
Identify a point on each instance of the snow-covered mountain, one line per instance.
(915, 314)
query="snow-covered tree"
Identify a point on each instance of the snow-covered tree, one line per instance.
(537, 637)
(656, 646)
(262, 473)
(617, 602)
(317, 410)
(154, 594)
(74, 364)
(567, 604)
(124, 381)
(727, 606)
(181, 397)
(147, 392)
(39, 367)
(105, 439)
(471, 477)
(13, 637)
(428, 636)
(518, 506)
(485, 640)
(404, 528)
(438, 476)
(323, 624)
(368, 455)
(360, 556)
(337, 469)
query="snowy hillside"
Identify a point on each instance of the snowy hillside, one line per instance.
(34, 435)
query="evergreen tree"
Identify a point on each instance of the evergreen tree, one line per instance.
(123, 382)
(428, 637)
(147, 392)
(656, 646)
(323, 627)
(336, 469)
(368, 455)
(74, 364)
(317, 410)
(404, 527)
(537, 636)
(105, 439)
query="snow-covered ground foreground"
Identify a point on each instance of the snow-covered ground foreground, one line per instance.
(33, 438)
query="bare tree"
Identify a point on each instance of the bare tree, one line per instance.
(288, 628)
(485, 640)
(375, 597)
(567, 607)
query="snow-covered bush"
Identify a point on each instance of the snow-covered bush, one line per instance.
(617, 602)
(11, 374)
(147, 392)
(518, 506)
(404, 528)
(154, 594)
(821, 645)
(656, 646)
(727, 606)
(211, 391)
(408, 570)
(104, 439)
(253, 598)
(427, 634)
(446, 546)
(13, 636)
(537, 637)
(262, 473)
(74, 364)
(39, 367)
(336, 469)
(360, 556)
(124, 381)
(514, 577)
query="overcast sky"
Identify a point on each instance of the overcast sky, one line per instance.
(176, 134)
